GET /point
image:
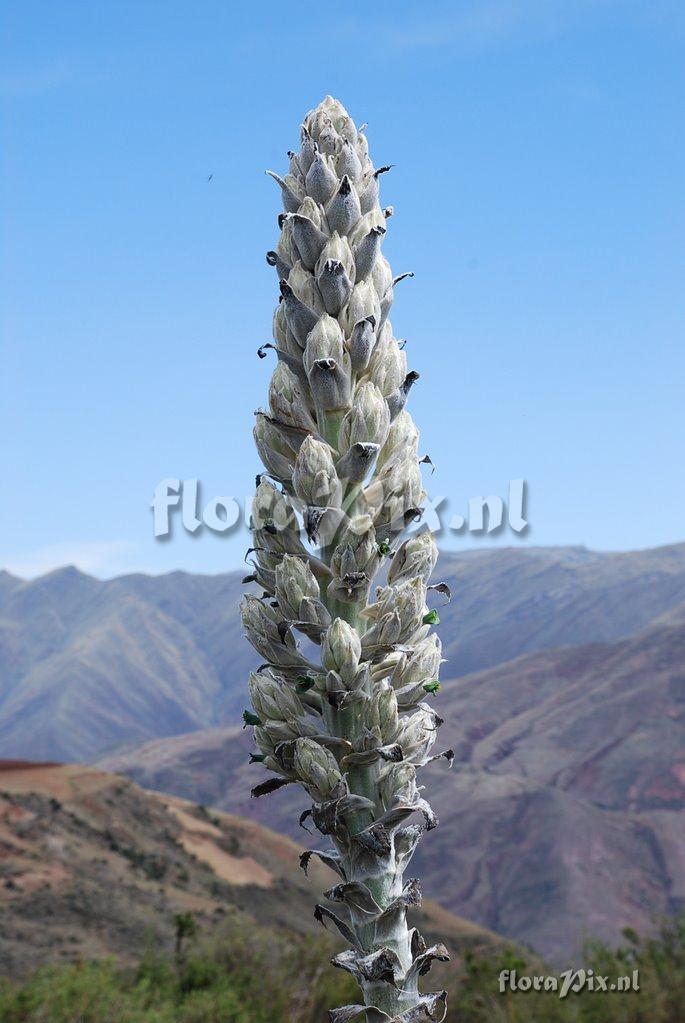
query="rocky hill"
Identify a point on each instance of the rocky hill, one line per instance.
(91, 866)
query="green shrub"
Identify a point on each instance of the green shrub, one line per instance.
(247, 974)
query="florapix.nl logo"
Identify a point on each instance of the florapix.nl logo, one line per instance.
(176, 500)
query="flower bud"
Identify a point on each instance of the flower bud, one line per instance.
(388, 364)
(355, 561)
(294, 167)
(261, 628)
(312, 211)
(398, 785)
(342, 121)
(367, 252)
(394, 492)
(286, 401)
(408, 600)
(257, 617)
(271, 507)
(369, 190)
(324, 342)
(280, 326)
(307, 149)
(314, 618)
(271, 543)
(343, 209)
(299, 318)
(348, 162)
(276, 455)
(398, 399)
(287, 731)
(356, 464)
(329, 142)
(317, 769)
(291, 190)
(381, 716)
(417, 556)
(314, 477)
(267, 751)
(417, 734)
(330, 113)
(286, 254)
(361, 344)
(321, 180)
(374, 218)
(382, 275)
(341, 650)
(273, 699)
(363, 302)
(368, 421)
(334, 285)
(304, 288)
(330, 385)
(383, 634)
(419, 666)
(294, 581)
(362, 147)
(308, 238)
(402, 443)
(338, 249)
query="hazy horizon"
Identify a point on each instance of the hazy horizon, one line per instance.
(475, 549)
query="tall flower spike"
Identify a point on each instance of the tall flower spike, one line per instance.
(354, 726)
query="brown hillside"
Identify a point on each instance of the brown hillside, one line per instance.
(91, 865)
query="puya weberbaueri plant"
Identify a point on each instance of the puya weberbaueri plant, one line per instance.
(341, 703)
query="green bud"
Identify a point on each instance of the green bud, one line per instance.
(432, 618)
(303, 683)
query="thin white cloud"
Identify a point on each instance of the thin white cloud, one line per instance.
(103, 559)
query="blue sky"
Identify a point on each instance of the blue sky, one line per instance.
(538, 189)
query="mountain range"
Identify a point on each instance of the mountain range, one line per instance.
(563, 694)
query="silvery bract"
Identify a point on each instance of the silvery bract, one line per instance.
(340, 703)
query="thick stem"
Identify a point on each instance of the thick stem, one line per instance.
(384, 883)
(346, 724)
